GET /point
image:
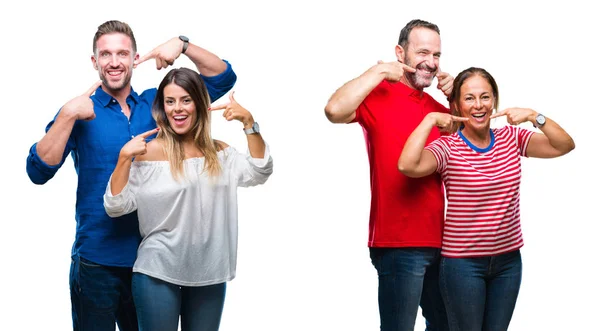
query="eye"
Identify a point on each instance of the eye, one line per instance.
(123, 54)
(485, 97)
(104, 54)
(187, 101)
(168, 102)
(468, 98)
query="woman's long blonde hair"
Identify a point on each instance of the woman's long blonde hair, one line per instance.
(191, 82)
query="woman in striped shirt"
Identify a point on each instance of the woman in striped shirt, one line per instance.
(480, 271)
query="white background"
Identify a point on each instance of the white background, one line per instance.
(303, 258)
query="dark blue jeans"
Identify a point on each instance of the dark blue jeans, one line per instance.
(480, 293)
(409, 277)
(100, 297)
(159, 305)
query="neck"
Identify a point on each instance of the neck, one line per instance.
(480, 138)
(409, 83)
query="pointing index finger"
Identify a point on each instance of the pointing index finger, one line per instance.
(459, 119)
(408, 68)
(219, 107)
(93, 89)
(498, 114)
(144, 58)
(148, 133)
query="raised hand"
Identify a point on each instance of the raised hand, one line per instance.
(394, 70)
(137, 145)
(165, 54)
(82, 106)
(516, 116)
(234, 111)
(444, 121)
(445, 82)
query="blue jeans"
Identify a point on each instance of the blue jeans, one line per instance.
(160, 303)
(101, 296)
(408, 277)
(480, 293)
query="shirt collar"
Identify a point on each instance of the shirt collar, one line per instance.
(106, 98)
(408, 91)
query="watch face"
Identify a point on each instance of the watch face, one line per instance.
(184, 38)
(540, 119)
(255, 127)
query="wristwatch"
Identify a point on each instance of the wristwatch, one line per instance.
(540, 120)
(186, 42)
(254, 129)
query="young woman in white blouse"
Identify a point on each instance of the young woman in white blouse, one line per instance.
(183, 185)
(480, 269)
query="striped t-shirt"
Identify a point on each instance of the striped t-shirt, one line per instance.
(482, 188)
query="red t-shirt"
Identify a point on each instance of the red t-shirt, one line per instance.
(405, 212)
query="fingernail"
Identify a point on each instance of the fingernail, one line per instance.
(209, 108)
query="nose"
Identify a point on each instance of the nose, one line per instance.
(114, 60)
(478, 103)
(431, 61)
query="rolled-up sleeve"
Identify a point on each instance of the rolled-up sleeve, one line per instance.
(40, 172)
(220, 84)
(253, 171)
(124, 202)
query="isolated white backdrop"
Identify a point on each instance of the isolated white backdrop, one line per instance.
(303, 260)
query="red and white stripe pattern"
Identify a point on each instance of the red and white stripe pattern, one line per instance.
(482, 188)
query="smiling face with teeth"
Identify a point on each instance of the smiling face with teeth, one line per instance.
(114, 60)
(180, 110)
(422, 51)
(477, 101)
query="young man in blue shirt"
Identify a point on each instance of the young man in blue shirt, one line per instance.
(92, 128)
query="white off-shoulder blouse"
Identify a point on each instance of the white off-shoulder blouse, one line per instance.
(189, 226)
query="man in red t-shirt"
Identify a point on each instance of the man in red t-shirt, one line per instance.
(407, 214)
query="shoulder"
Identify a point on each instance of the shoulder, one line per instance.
(220, 145)
(154, 152)
(436, 105)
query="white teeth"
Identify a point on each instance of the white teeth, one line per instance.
(179, 117)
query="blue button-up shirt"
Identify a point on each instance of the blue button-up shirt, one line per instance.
(95, 146)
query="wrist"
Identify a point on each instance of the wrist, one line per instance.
(248, 123)
(185, 41)
(68, 114)
(124, 158)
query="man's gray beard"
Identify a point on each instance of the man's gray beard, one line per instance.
(418, 85)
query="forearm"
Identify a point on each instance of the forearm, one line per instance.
(207, 63)
(51, 147)
(557, 136)
(343, 103)
(410, 159)
(120, 175)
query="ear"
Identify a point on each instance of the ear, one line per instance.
(94, 62)
(400, 53)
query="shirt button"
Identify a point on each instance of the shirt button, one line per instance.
(113, 100)
(132, 136)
